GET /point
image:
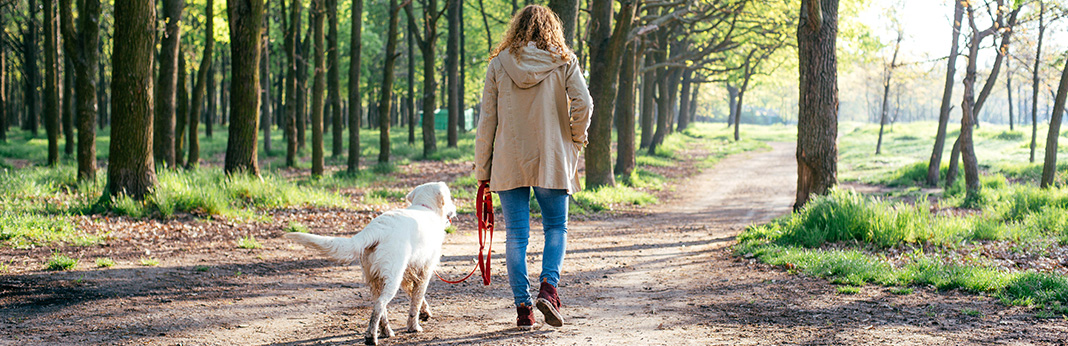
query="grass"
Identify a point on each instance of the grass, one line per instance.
(901, 291)
(847, 290)
(296, 227)
(249, 242)
(105, 262)
(149, 262)
(61, 262)
(202, 268)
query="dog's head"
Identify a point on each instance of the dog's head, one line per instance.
(435, 195)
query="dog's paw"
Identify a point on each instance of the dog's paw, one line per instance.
(387, 333)
(425, 315)
(415, 329)
(370, 340)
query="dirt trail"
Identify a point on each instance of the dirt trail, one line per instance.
(660, 278)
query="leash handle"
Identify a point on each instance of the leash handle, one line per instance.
(484, 213)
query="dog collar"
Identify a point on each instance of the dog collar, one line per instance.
(424, 206)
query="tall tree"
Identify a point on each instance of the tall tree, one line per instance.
(606, 50)
(318, 87)
(649, 106)
(410, 35)
(967, 148)
(131, 170)
(626, 157)
(68, 104)
(684, 99)
(947, 96)
(1008, 88)
(817, 118)
(167, 84)
(304, 53)
(888, 72)
(334, 81)
(246, 27)
(3, 82)
(452, 70)
(51, 85)
(199, 90)
(1005, 30)
(567, 10)
(292, 65)
(1049, 169)
(30, 71)
(181, 114)
(265, 80)
(386, 92)
(355, 104)
(80, 45)
(427, 41)
(1035, 79)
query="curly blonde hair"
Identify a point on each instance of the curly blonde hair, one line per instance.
(539, 25)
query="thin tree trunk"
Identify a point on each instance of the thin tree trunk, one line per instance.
(318, 88)
(732, 101)
(1035, 79)
(246, 29)
(131, 168)
(4, 101)
(213, 99)
(1008, 89)
(462, 116)
(31, 72)
(411, 81)
(883, 113)
(292, 65)
(334, 81)
(303, 56)
(1050, 167)
(166, 87)
(1002, 51)
(181, 112)
(266, 116)
(674, 79)
(51, 85)
(355, 104)
(427, 46)
(967, 149)
(199, 90)
(947, 97)
(625, 151)
(386, 96)
(684, 100)
(68, 106)
(740, 102)
(817, 151)
(954, 163)
(80, 45)
(452, 70)
(648, 115)
(485, 25)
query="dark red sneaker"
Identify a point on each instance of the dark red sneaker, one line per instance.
(525, 320)
(549, 304)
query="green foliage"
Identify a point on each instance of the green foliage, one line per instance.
(202, 268)
(296, 227)
(901, 291)
(149, 262)
(249, 242)
(604, 198)
(850, 290)
(105, 262)
(60, 262)
(1040, 290)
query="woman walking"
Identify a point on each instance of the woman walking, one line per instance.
(535, 112)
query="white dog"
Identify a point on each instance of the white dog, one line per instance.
(398, 249)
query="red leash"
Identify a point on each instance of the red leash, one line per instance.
(484, 213)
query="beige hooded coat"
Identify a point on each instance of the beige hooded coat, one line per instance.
(535, 114)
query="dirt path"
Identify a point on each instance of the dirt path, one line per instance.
(662, 278)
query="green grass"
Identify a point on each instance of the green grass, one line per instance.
(61, 262)
(901, 291)
(202, 268)
(105, 262)
(149, 262)
(296, 227)
(249, 242)
(847, 290)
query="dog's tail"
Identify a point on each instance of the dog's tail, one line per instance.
(344, 250)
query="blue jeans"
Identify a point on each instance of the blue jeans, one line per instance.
(515, 205)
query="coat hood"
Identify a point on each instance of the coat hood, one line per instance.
(533, 66)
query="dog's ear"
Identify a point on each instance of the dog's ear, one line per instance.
(411, 195)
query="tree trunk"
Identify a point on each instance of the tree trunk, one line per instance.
(3, 85)
(606, 50)
(68, 105)
(292, 65)
(967, 149)
(427, 46)
(131, 170)
(166, 86)
(80, 45)
(334, 81)
(30, 71)
(318, 88)
(740, 102)
(995, 70)
(411, 80)
(817, 151)
(648, 102)
(386, 95)
(181, 112)
(462, 116)
(684, 100)
(947, 97)
(246, 28)
(674, 79)
(213, 99)
(304, 52)
(693, 102)
(567, 10)
(266, 116)
(355, 104)
(51, 85)
(625, 151)
(884, 113)
(203, 76)
(1008, 89)
(1050, 167)
(1035, 79)
(452, 68)
(954, 163)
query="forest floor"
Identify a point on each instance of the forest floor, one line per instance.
(660, 275)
